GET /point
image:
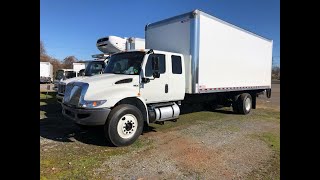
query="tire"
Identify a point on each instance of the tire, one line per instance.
(244, 103)
(124, 125)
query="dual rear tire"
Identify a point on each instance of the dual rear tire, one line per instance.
(242, 104)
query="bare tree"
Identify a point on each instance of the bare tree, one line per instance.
(56, 65)
(68, 62)
(43, 53)
(276, 72)
(42, 49)
(45, 58)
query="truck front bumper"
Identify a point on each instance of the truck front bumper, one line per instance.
(86, 116)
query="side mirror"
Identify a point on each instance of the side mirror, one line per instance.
(156, 74)
(155, 63)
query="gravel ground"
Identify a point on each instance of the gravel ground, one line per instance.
(201, 145)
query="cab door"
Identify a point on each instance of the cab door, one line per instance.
(155, 89)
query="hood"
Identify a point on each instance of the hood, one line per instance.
(107, 79)
(74, 79)
(108, 86)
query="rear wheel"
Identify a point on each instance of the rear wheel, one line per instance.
(244, 103)
(124, 125)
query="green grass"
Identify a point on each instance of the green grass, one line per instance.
(47, 98)
(272, 140)
(270, 169)
(81, 161)
(72, 161)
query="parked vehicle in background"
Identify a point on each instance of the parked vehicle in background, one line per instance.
(46, 72)
(78, 66)
(92, 68)
(63, 74)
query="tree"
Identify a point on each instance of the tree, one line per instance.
(56, 65)
(68, 62)
(43, 53)
(42, 49)
(275, 72)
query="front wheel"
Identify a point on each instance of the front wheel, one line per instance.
(124, 125)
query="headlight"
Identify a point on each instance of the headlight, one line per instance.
(91, 104)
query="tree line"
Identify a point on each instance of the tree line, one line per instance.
(66, 63)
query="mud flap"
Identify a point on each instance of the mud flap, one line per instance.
(254, 101)
(268, 93)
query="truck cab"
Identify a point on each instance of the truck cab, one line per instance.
(63, 74)
(136, 87)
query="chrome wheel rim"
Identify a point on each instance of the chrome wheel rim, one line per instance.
(127, 126)
(247, 104)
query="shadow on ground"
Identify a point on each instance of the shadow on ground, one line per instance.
(192, 108)
(55, 127)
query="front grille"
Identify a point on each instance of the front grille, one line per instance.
(61, 88)
(75, 96)
(72, 94)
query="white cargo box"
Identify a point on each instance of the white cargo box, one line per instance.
(135, 43)
(78, 66)
(46, 70)
(218, 56)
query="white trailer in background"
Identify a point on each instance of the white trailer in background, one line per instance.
(190, 58)
(46, 72)
(78, 66)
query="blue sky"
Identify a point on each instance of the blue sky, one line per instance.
(72, 27)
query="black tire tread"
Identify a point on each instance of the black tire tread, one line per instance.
(241, 106)
(111, 135)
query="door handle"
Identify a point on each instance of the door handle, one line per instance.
(166, 88)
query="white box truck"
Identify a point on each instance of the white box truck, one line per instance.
(190, 58)
(46, 72)
(78, 66)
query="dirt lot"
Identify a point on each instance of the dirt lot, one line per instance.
(200, 145)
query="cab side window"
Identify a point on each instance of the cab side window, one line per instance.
(176, 64)
(162, 64)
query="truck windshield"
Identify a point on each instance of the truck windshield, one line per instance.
(94, 67)
(70, 74)
(59, 75)
(125, 63)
